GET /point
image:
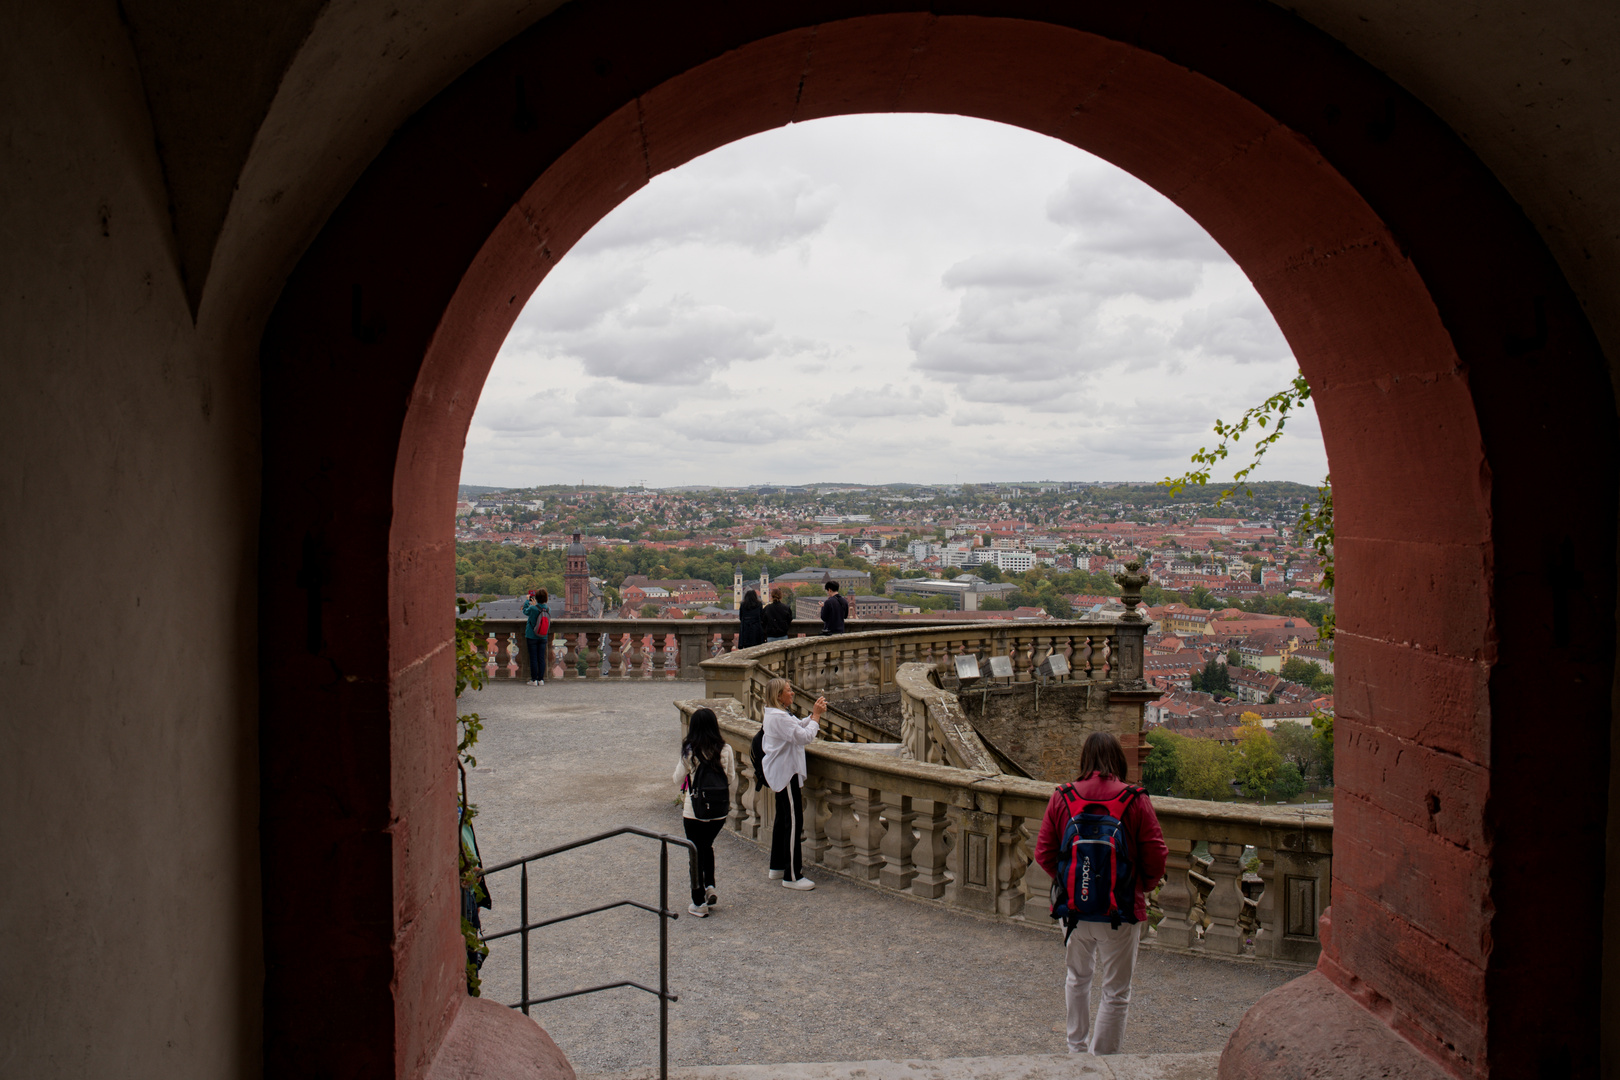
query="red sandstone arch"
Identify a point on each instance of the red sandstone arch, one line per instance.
(1460, 392)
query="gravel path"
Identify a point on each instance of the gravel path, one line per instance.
(843, 973)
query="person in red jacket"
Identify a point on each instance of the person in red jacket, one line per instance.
(1095, 947)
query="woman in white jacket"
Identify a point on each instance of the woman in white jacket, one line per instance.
(705, 760)
(786, 736)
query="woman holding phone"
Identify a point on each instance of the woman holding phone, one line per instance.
(786, 736)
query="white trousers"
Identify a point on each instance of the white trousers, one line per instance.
(1101, 954)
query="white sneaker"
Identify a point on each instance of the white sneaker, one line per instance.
(803, 884)
(541, 682)
(700, 910)
(776, 875)
(711, 901)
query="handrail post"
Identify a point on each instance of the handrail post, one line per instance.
(663, 961)
(523, 921)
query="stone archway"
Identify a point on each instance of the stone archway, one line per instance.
(1456, 381)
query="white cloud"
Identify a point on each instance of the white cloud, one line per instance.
(883, 298)
(760, 213)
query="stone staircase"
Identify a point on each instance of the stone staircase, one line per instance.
(1013, 1067)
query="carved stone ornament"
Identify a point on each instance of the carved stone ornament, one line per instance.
(1131, 580)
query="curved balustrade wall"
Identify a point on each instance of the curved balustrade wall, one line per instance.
(965, 840)
(864, 669)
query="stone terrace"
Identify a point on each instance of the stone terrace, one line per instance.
(841, 974)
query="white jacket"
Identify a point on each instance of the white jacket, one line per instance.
(683, 769)
(786, 736)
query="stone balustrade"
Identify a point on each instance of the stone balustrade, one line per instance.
(965, 839)
(860, 674)
(632, 648)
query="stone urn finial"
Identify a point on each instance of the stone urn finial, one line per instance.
(1131, 580)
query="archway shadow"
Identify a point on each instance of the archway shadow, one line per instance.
(1455, 378)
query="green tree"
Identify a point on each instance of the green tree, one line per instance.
(1214, 678)
(1256, 761)
(1161, 771)
(1234, 658)
(1201, 597)
(993, 603)
(1289, 782)
(649, 611)
(1297, 745)
(1300, 671)
(1205, 768)
(1323, 724)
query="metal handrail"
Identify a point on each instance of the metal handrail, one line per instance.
(662, 911)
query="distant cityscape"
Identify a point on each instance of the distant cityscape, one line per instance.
(1236, 597)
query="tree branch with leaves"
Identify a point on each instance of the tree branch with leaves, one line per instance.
(1267, 421)
(470, 674)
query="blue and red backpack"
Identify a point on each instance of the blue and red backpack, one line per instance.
(1096, 878)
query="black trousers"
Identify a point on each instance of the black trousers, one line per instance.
(702, 834)
(537, 658)
(786, 831)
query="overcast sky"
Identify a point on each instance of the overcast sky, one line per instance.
(878, 299)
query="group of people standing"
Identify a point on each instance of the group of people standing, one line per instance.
(761, 623)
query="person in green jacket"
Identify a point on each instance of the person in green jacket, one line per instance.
(536, 634)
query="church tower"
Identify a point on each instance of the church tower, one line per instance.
(765, 584)
(577, 581)
(736, 588)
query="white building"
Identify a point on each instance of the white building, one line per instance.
(1013, 562)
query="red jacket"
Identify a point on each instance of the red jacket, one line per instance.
(1140, 821)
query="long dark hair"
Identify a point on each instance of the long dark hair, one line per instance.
(703, 741)
(1102, 753)
(750, 601)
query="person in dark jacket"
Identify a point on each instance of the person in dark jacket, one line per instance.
(753, 629)
(1096, 951)
(777, 617)
(834, 611)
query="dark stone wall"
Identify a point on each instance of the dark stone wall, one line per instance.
(1041, 728)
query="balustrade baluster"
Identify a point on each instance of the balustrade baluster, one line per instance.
(745, 815)
(554, 656)
(1061, 647)
(931, 849)
(1256, 917)
(503, 654)
(1042, 645)
(1106, 666)
(571, 656)
(840, 849)
(1176, 896)
(899, 840)
(1022, 650)
(593, 654)
(816, 815)
(1225, 901)
(1012, 860)
(636, 657)
(489, 656)
(615, 651)
(866, 833)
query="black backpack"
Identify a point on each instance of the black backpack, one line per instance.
(756, 754)
(711, 793)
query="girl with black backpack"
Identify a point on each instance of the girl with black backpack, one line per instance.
(707, 773)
